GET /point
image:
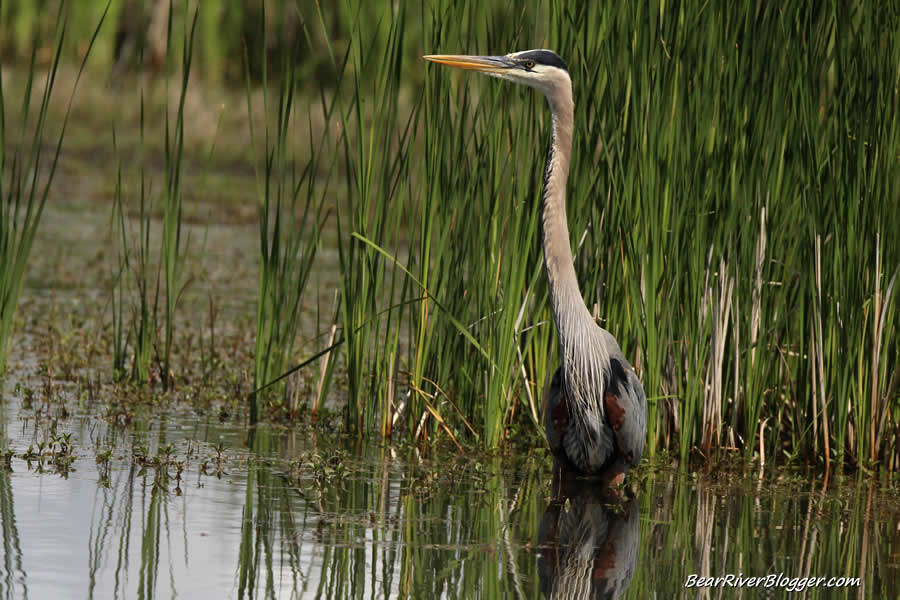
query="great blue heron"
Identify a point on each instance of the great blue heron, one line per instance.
(595, 411)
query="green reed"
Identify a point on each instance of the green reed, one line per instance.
(722, 172)
(137, 282)
(26, 175)
(118, 290)
(291, 217)
(173, 248)
(376, 152)
(155, 276)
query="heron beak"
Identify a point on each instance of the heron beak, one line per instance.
(485, 64)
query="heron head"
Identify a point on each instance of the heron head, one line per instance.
(543, 70)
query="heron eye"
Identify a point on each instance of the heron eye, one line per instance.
(529, 64)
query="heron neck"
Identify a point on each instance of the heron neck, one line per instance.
(569, 309)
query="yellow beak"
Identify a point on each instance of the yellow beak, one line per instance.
(487, 64)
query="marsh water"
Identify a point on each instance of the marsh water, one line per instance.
(185, 504)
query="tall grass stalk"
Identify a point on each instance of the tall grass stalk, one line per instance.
(26, 177)
(119, 287)
(724, 178)
(155, 276)
(479, 240)
(376, 151)
(173, 248)
(291, 218)
(137, 282)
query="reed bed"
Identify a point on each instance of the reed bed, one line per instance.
(733, 204)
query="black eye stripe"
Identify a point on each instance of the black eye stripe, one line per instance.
(542, 57)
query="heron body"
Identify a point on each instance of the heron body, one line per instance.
(595, 410)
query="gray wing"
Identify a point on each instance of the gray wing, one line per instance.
(556, 413)
(626, 410)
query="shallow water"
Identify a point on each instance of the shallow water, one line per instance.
(284, 513)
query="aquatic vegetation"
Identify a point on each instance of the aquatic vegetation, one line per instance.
(291, 218)
(731, 202)
(135, 280)
(26, 176)
(173, 247)
(144, 277)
